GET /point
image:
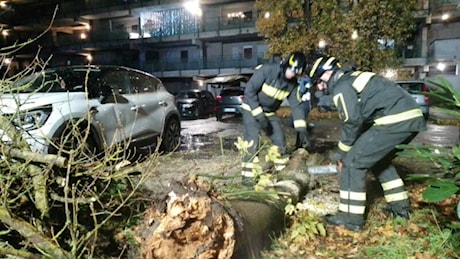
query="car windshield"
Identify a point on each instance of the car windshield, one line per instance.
(72, 80)
(232, 92)
(412, 87)
(188, 95)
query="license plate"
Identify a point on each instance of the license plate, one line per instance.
(230, 109)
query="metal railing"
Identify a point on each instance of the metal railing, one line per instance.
(214, 24)
(214, 62)
(443, 5)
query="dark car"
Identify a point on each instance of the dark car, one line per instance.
(195, 103)
(229, 102)
(418, 89)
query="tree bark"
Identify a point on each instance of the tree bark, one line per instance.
(32, 235)
(193, 221)
(50, 159)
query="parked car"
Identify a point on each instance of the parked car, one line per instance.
(418, 89)
(119, 106)
(229, 101)
(195, 103)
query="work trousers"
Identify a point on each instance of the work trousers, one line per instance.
(373, 150)
(251, 132)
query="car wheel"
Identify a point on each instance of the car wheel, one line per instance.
(171, 136)
(73, 139)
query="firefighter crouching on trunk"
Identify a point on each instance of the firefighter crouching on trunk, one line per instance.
(377, 115)
(266, 89)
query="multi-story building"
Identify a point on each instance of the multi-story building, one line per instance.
(183, 42)
(435, 48)
(180, 42)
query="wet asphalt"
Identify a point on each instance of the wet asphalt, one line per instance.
(200, 133)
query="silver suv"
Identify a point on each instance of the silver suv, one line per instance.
(119, 106)
(417, 89)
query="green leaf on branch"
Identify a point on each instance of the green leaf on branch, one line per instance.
(440, 190)
(456, 151)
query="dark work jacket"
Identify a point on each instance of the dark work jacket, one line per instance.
(365, 99)
(266, 90)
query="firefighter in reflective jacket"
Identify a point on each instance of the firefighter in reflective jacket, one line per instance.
(267, 88)
(377, 115)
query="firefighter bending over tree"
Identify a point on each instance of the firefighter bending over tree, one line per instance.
(266, 89)
(377, 115)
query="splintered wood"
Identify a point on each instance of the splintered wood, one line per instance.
(190, 220)
(189, 223)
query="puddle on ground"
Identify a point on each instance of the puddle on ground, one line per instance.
(192, 143)
(438, 135)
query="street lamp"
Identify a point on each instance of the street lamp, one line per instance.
(193, 7)
(7, 61)
(89, 57)
(3, 4)
(354, 35)
(441, 66)
(390, 74)
(322, 44)
(445, 16)
(5, 35)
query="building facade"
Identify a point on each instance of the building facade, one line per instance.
(186, 42)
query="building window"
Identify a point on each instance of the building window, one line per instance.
(247, 52)
(247, 17)
(184, 56)
(168, 22)
(152, 55)
(235, 17)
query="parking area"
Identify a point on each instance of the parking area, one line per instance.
(198, 133)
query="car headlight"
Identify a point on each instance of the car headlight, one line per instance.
(187, 105)
(32, 119)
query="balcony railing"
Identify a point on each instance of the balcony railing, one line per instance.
(437, 6)
(212, 24)
(215, 63)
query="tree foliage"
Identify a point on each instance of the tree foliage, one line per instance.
(299, 25)
(444, 183)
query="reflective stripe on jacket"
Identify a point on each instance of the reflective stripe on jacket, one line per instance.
(364, 98)
(266, 90)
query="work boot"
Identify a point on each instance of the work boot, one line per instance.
(399, 209)
(350, 221)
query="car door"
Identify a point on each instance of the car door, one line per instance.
(149, 104)
(114, 87)
(209, 102)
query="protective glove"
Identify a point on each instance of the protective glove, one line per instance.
(264, 124)
(338, 156)
(302, 140)
(306, 97)
(304, 84)
(326, 103)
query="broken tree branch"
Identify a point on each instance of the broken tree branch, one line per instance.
(32, 235)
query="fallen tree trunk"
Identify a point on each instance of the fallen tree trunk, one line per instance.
(193, 221)
(50, 159)
(191, 224)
